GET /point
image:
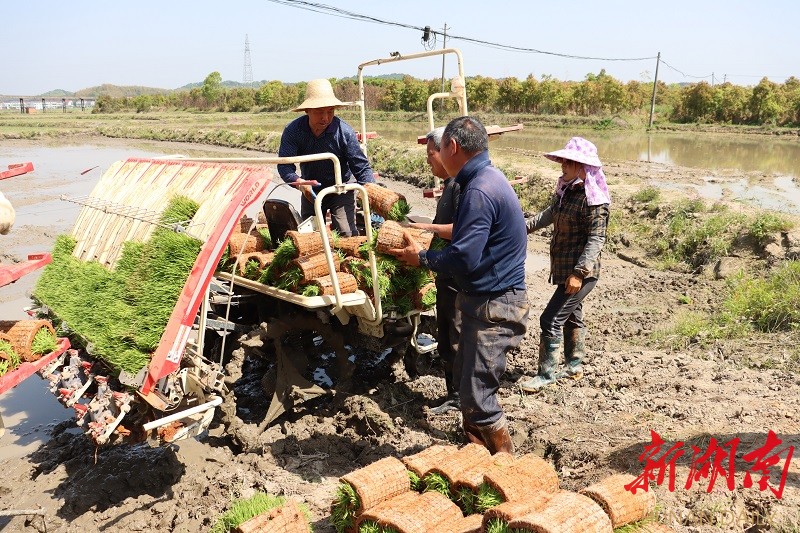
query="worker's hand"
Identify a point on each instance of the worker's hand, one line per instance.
(573, 284)
(308, 192)
(410, 254)
(7, 215)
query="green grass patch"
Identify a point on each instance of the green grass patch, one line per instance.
(767, 304)
(122, 313)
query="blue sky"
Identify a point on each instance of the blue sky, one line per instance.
(168, 43)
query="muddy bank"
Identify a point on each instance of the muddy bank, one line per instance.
(587, 429)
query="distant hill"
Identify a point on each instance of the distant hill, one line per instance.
(117, 91)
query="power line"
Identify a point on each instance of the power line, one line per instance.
(684, 74)
(338, 12)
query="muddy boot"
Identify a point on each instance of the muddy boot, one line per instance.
(574, 352)
(496, 437)
(472, 434)
(452, 402)
(548, 359)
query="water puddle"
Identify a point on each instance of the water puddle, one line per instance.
(785, 197)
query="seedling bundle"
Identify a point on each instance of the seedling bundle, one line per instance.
(24, 340)
(384, 498)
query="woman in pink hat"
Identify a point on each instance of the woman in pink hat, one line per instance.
(579, 215)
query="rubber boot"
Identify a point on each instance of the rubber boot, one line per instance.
(472, 433)
(548, 359)
(574, 352)
(452, 402)
(496, 437)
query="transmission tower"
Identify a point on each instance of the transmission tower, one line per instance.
(247, 78)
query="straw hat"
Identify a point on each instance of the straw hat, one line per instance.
(577, 149)
(319, 93)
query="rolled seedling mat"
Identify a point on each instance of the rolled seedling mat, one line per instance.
(245, 243)
(417, 513)
(618, 503)
(472, 477)
(463, 459)
(307, 243)
(382, 199)
(422, 462)
(378, 481)
(390, 235)
(421, 293)
(263, 258)
(466, 524)
(315, 266)
(347, 284)
(288, 518)
(21, 334)
(528, 474)
(508, 511)
(350, 245)
(566, 512)
(246, 224)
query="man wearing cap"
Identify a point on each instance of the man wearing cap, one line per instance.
(319, 131)
(486, 256)
(579, 215)
(7, 215)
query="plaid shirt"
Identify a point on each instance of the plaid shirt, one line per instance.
(579, 232)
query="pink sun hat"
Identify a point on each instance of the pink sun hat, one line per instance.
(577, 149)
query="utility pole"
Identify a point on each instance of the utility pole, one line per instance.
(444, 45)
(655, 83)
(247, 76)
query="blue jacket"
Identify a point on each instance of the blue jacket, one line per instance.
(338, 138)
(488, 248)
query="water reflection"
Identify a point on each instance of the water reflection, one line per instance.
(752, 153)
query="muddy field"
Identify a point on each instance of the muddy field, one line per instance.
(587, 429)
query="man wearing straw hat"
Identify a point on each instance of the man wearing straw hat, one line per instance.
(319, 131)
(486, 256)
(7, 215)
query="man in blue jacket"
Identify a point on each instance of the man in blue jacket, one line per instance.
(319, 131)
(486, 256)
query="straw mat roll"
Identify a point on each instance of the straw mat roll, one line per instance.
(379, 481)
(566, 512)
(422, 462)
(618, 503)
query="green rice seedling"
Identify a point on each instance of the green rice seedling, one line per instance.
(438, 483)
(5, 366)
(400, 209)
(370, 526)
(429, 299)
(497, 525)
(437, 243)
(265, 237)
(244, 509)
(122, 313)
(13, 360)
(252, 269)
(43, 342)
(284, 253)
(344, 508)
(369, 246)
(311, 290)
(488, 497)
(467, 499)
(416, 482)
(290, 279)
(403, 304)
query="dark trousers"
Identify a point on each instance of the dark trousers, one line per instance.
(565, 309)
(448, 323)
(490, 327)
(342, 208)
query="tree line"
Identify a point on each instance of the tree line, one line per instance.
(767, 103)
